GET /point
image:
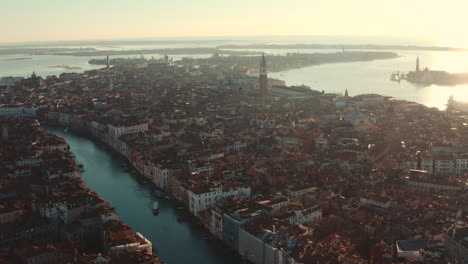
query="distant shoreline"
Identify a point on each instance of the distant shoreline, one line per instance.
(340, 47)
(436, 77)
(66, 67)
(276, 63)
(15, 59)
(250, 49)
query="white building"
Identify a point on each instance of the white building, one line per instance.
(430, 186)
(236, 146)
(298, 192)
(201, 199)
(17, 111)
(304, 216)
(376, 201)
(54, 144)
(33, 162)
(444, 166)
(321, 143)
(427, 164)
(64, 119)
(461, 164)
(117, 131)
(200, 167)
(159, 175)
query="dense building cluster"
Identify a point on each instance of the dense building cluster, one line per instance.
(288, 176)
(47, 215)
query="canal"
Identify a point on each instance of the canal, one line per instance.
(176, 241)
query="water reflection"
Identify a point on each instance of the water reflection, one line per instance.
(373, 77)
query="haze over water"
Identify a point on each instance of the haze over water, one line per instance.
(357, 77)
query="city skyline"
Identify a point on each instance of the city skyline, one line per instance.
(249, 131)
(53, 20)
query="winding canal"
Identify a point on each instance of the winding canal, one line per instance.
(175, 241)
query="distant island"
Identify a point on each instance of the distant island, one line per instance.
(96, 52)
(66, 67)
(15, 59)
(40, 51)
(221, 49)
(341, 46)
(276, 63)
(113, 43)
(427, 76)
(174, 51)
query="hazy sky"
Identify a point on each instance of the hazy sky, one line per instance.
(38, 20)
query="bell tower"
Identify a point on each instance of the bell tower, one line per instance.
(418, 69)
(263, 78)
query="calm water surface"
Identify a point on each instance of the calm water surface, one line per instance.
(373, 77)
(357, 77)
(41, 64)
(176, 242)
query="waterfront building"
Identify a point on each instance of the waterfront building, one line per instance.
(457, 244)
(461, 164)
(44, 205)
(18, 111)
(202, 196)
(118, 129)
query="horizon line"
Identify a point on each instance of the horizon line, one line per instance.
(203, 38)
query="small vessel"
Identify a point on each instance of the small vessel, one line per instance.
(155, 208)
(395, 77)
(65, 130)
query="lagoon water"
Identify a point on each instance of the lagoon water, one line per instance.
(374, 77)
(357, 77)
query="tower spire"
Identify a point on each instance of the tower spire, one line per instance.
(263, 78)
(418, 69)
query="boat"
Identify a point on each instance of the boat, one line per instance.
(395, 77)
(65, 130)
(155, 208)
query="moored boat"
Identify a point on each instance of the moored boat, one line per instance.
(155, 208)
